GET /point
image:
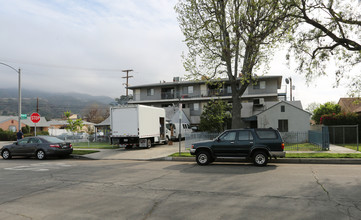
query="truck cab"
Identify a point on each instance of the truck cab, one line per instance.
(174, 130)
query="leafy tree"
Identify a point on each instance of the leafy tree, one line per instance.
(328, 31)
(215, 116)
(232, 39)
(312, 106)
(325, 109)
(73, 125)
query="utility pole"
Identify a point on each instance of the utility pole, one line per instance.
(127, 77)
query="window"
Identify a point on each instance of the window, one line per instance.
(23, 141)
(283, 109)
(195, 106)
(283, 125)
(245, 136)
(190, 89)
(260, 85)
(12, 128)
(34, 141)
(228, 136)
(150, 92)
(266, 134)
(229, 89)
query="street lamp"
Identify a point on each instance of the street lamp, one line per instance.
(289, 81)
(19, 88)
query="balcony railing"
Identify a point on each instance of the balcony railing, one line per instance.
(208, 93)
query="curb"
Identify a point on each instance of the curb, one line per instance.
(279, 160)
(273, 161)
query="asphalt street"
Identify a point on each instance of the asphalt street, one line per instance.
(129, 189)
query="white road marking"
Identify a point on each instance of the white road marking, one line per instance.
(39, 167)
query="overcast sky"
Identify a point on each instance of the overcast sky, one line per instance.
(83, 46)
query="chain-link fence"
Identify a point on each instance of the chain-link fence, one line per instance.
(83, 137)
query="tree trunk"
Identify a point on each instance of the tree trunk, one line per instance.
(236, 111)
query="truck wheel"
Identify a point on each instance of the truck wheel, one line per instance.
(260, 158)
(149, 143)
(203, 158)
(166, 140)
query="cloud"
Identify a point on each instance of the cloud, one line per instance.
(75, 44)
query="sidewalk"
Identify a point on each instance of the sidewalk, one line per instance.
(154, 153)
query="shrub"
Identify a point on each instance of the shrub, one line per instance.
(7, 135)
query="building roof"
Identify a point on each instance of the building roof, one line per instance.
(106, 122)
(248, 109)
(165, 84)
(350, 104)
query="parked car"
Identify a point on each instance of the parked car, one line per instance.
(255, 144)
(39, 146)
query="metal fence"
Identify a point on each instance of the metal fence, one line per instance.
(344, 135)
(193, 137)
(293, 140)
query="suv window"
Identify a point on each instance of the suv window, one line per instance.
(266, 134)
(245, 136)
(228, 136)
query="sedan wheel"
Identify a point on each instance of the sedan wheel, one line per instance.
(6, 154)
(40, 154)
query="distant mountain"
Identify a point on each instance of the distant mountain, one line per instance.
(51, 105)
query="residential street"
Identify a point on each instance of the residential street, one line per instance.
(119, 189)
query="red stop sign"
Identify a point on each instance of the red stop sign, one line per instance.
(35, 117)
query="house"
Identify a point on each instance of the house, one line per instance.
(11, 123)
(194, 95)
(284, 116)
(58, 127)
(350, 105)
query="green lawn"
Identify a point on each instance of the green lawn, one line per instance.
(92, 145)
(302, 147)
(352, 146)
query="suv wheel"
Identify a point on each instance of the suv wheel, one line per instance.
(260, 158)
(203, 158)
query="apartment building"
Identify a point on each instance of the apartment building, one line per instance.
(194, 95)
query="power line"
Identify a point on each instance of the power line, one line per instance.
(63, 66)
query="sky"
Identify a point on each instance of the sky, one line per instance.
(83, 46)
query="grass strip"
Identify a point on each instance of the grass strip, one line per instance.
(321, 155)
(92, 145)
(84, 152)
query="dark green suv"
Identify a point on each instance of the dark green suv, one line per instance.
(257, 144)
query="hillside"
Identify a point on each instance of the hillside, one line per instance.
(51, 105)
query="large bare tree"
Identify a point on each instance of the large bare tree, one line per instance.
(231, 38)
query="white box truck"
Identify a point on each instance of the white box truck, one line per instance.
(137, 125)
